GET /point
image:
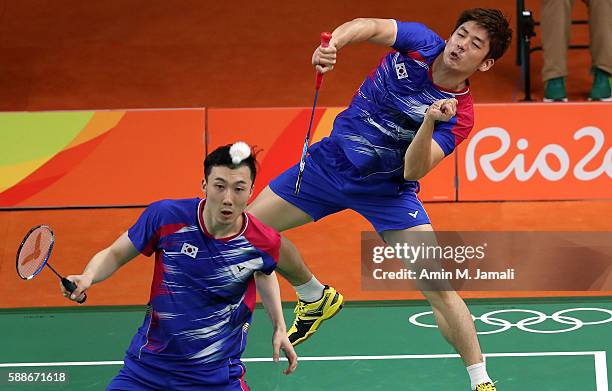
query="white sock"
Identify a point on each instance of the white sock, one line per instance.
(311, 291)
(478, 374)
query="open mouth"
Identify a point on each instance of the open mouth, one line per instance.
(226, 213)
(454, 56)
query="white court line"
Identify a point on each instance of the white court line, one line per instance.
(60, 364)
(601, 369)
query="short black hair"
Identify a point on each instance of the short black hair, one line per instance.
(496, 24)
(221, 157)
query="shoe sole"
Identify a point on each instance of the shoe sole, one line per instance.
(608, 99)
(316, 324)
(548, 100)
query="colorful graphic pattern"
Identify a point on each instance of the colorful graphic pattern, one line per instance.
(99, 158)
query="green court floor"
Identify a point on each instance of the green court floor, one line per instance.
(540, 344)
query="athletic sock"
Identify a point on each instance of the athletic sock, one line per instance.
(310, 291)
(478, 374)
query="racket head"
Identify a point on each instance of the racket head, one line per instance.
(34, 251)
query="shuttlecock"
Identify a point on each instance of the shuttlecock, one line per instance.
(239, 151)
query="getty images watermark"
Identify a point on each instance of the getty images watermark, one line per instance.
(435, 253)
(568, 261)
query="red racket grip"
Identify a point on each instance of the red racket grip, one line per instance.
(325, 38)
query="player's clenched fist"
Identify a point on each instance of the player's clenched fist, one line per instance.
(442, 110)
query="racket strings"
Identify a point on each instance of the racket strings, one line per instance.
(34, 251)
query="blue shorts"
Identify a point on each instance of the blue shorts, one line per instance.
(329, 188)
(136, 375)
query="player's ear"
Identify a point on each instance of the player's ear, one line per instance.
(204, 185)
(486, 65)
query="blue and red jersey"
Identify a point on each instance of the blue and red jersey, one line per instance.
(203, 289)
(389, 107)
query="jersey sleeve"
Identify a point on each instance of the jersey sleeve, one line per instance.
(450, 134)
(267, 240)
(144, 234)
(412, 36)
(272, 249)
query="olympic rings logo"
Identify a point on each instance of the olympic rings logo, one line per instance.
(560, 317)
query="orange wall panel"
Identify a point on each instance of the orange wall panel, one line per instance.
(141, 157)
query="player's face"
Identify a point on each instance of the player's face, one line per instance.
(467, 48)
(227, 192)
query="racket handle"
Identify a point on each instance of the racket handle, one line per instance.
(70, 287)
(298, 183)
(325, 38)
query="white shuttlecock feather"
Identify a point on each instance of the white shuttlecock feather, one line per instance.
(239, 151)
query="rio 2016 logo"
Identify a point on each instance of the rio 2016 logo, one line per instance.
(541, 165)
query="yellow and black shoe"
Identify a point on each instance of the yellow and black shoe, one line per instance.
(308, 316)
(486, 387)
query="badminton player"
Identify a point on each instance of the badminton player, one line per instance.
(210, 256)
(411, 111)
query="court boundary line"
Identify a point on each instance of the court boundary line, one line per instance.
(601, 368)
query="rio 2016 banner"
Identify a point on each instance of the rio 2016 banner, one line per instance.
(515, 152)
(538, 151)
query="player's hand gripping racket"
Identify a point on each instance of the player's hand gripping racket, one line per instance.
(325, 38)
(33, 254)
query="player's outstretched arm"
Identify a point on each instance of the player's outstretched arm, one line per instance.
(377, 31)
(102, 265)
(267, 286)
